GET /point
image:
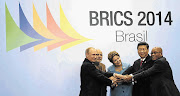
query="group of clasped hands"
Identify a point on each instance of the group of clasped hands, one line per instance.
(118, 78)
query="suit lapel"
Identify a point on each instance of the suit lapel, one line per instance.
(148, 58)
(139, 61)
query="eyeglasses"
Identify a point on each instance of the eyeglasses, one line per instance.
(155, 52)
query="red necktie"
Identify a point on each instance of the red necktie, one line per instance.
(141, 63)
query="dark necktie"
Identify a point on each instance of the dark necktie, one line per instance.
(141, 63)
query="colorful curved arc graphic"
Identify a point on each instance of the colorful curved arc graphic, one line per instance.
(40, 36)
(42, 30)
(15, 37)
(54, 29)
(70, 31)
(28, 30)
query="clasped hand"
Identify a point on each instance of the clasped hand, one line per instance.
(117, 78)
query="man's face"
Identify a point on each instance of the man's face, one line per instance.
(156, 54)
(99, 56)
(143, 51)
(91, 56)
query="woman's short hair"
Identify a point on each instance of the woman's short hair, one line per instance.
(111, 55)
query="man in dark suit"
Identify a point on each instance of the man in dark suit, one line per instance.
(92, 78)
(161, 76)
(141, 87)
(102, 67)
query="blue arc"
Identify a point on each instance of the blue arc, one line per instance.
(28, 30)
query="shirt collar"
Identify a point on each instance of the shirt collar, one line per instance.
(143, 58)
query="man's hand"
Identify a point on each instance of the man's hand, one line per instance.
(113, 78)
(114, 82)
(118, 76)
(128, 78)
(124, 78)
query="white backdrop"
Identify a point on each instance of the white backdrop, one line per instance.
(57, 72)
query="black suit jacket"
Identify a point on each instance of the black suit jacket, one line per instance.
(92, 79)
(102, 67)
(142, 86)
(161, 77)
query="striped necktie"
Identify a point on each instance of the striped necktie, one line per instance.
(141, 63)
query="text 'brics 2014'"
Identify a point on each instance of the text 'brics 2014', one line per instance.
(119, 18)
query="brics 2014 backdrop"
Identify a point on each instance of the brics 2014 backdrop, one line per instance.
(43, 42)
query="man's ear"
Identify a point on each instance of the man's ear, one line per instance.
(87, 55)
(161, 54)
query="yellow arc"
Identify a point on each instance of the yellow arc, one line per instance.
(43, 31)
(70, 31)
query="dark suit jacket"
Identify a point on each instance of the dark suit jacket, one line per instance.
(92, 79)
(142, 86)
(102, 67)
(161, 77)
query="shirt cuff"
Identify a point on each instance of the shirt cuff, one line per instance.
(132, 77)
(114, 74)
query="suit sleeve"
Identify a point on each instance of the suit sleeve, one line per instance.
(155, 69)
(130, 70)
(144, 68)
(99, 75)
(140, 70)
(107, 74)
